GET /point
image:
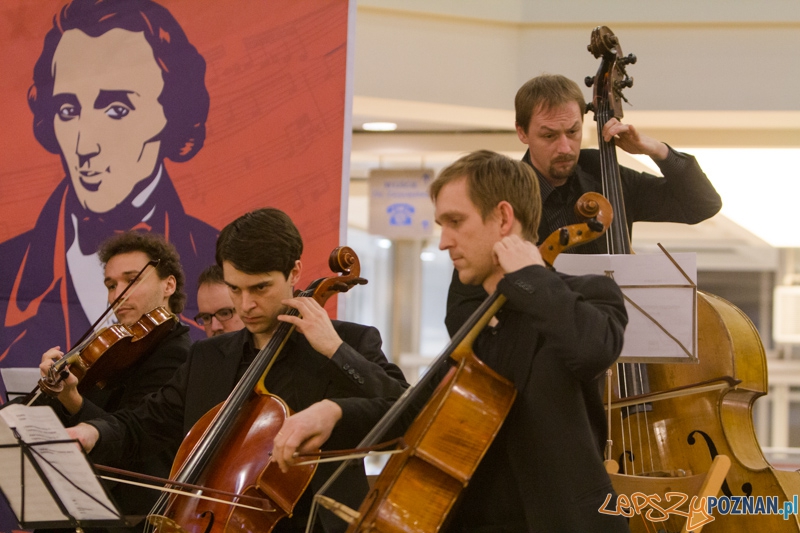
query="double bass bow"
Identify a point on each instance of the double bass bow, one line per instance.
(228, 449)
(445, 443)
(676, 418)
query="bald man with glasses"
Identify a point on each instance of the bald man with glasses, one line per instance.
(217, 314)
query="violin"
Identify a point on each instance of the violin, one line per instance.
(445, 443)
(229, 448)
(104, 356)
(695, 412)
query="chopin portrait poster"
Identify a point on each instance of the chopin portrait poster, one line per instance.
(170, 116)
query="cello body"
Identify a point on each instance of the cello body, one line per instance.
(246, 451)
(445, 444)
(682, 435)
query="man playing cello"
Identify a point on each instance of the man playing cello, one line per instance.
(554, 338)
(333, 375)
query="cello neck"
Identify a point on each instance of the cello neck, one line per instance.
(218, 429)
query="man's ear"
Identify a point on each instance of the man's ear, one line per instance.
(294, 274)
(523, 136)
(505, 213)
(170, 285)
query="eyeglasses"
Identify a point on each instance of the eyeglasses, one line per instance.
(223, 315)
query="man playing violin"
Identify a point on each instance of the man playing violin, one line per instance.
(332, 374)
(549, 121)
(124, 256)
(216, 312)
(554, 338)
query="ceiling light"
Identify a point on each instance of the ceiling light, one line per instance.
(379, 126)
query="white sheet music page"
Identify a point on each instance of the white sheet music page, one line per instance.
(63, 464)
(661, 302)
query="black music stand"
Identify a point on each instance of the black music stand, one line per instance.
(37, 486)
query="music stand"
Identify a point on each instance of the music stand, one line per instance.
(47, 480)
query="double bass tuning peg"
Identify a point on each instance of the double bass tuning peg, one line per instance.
(625, 83)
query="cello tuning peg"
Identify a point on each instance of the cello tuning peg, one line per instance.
(595, 225)
(563, 237)
(630, 59)
(589, 81)
(590, 107)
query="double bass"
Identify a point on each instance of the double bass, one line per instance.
(447, 440)
(673, 419)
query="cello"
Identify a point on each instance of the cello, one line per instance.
(695, 412)
(444, 445)
(228, 449)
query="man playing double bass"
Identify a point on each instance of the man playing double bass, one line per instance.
(123, 256)
(549, 120)
(333, 375)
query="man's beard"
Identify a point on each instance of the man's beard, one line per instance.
(560, 172)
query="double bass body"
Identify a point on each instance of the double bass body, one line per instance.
(682, 435)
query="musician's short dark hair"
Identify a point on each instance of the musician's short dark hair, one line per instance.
(493, 178)
(261, 241)
(211, 275)
(545, 92)
(184, 97)
(155, 247)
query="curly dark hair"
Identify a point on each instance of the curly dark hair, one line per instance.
(264, 240)
(184, 98)
(155, 247)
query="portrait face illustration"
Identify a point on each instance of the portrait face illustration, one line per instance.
(107, 115)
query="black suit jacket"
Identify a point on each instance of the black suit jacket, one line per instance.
(555, 336)
(358, 378)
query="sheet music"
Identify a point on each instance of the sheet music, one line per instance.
(78, 488)
(661, 302)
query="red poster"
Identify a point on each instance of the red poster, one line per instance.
(174, 116)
